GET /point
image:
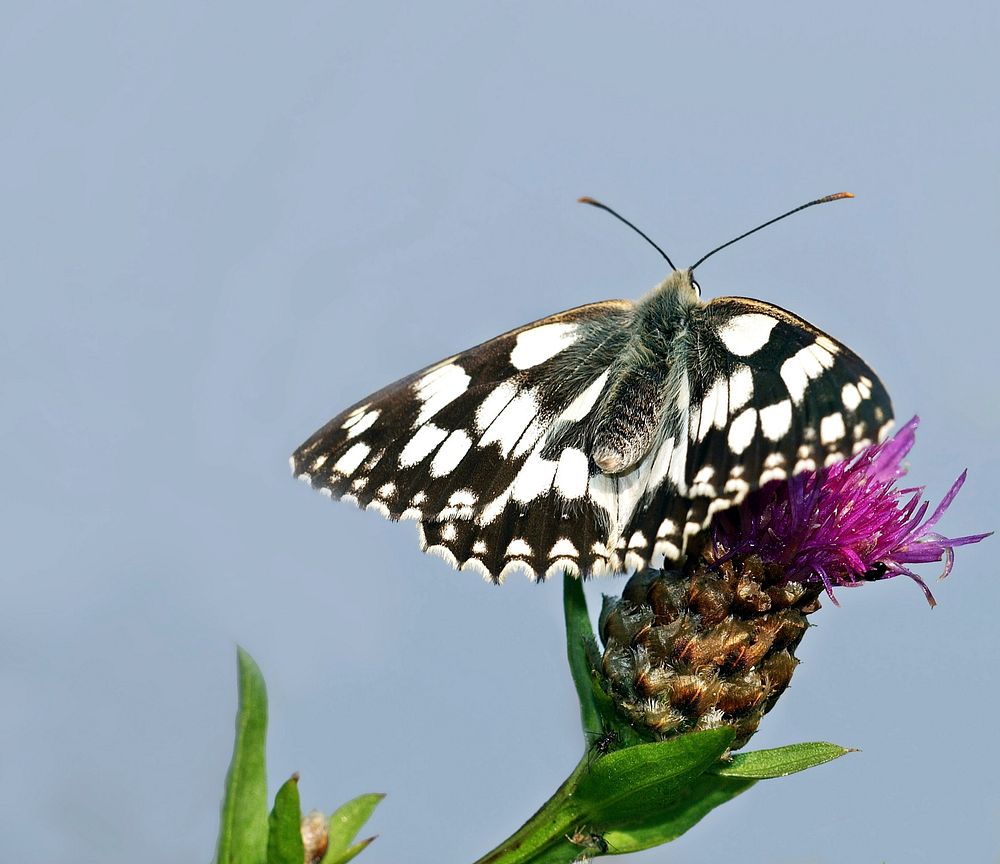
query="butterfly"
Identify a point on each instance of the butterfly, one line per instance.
(604, 438)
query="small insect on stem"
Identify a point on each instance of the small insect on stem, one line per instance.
(602, 743)
(590, 842)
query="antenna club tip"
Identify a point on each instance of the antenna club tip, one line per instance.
(586, 199)
(838, 195)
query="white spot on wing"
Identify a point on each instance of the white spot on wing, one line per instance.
(772, 474)
(742, 430)
(538, 344)
(354, 416)
(667, 549)
(826, 342)
(378, 507)
(701, 483)
(364, 423)
(850, 396)
(668, 528)
(803, 366)
(518, 546)
(529, 439)
(463, 498)
(715, 408)
(492, 510)
(563, 548)
(349, 462)
(740, 388)
(831, 428)
(661, 463)
(451, 452)
(493, 404)
(534, 479)
(582, 405)
(510, 423)
(776, 420)
(572, 473)
(438, 388)
(746, 334)
(424, 440)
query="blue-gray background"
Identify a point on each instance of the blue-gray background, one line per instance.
(220, 226)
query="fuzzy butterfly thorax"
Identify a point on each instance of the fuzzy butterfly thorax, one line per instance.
(646, 377)
(601, 439)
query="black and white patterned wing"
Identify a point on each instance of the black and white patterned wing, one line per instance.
(486, 449)
(770, 396)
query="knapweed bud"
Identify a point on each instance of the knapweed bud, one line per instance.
(712, 644)
(709, 647)
(315, 836)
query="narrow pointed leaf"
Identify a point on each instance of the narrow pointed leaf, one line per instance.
(347, 854)
(284, 836)
(781, 761)
(345, 823)
(243, 827)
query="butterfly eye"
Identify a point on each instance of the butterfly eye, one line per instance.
(697, 287)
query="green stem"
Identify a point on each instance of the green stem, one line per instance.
(578, 634)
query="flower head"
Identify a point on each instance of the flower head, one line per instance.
(845, 524)
(714, 643)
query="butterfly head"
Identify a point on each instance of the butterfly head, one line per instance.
(680, 289)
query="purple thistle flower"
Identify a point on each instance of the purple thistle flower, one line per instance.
(845, 524)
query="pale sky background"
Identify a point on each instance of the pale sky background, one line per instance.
(222, 224)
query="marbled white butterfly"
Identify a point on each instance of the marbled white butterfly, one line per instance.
(603, 438)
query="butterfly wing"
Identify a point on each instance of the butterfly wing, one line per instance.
(771, 396)
(486, 449)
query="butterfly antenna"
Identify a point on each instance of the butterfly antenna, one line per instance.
(824, 200)
(593, 203)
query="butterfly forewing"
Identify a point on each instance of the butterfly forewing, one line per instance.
(485, 448)
(771, 397)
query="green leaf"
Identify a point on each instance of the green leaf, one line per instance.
(284, 837)
(579, 634)
(703, 795)
(634, 786)
(345, 823)
(625, 786)
(347, 854)
(243, 828)
(781, 761)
